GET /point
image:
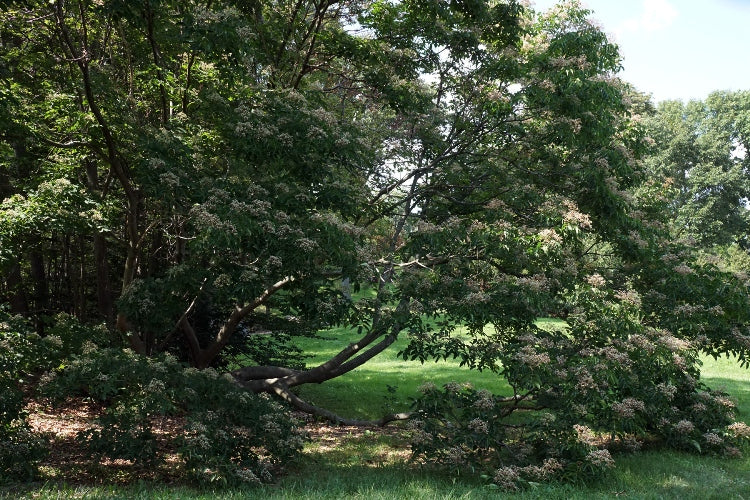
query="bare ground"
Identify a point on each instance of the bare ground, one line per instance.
(69, 461)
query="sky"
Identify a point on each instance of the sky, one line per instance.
(677, 49)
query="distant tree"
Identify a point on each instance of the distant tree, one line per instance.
(701, 151)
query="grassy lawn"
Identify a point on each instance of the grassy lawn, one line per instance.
(725, 374)
(364, 393)
(345, 463)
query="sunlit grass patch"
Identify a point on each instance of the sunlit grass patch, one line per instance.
(386, 383)
(727, 375)
(342, 446)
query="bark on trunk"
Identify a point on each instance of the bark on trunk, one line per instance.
(104, 297)
(280, 381)
(19, 303)
(104, 300)
(41, 289)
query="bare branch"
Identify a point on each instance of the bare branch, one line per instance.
(250, 373)
(65, 145)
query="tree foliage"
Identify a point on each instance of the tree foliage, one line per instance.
(700, 148)
(206, 177)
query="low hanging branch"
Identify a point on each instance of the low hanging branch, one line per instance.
(279, 380)
(287, 395)
(202, 358)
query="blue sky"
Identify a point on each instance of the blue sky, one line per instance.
(677, 49)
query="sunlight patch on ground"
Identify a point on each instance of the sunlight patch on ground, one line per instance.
(675, 481)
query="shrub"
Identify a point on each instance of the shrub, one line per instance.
(469, 430)
(606, 378)
(228, 435)
(20, 449)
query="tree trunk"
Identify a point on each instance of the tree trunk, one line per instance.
(19, 303)
(104, 297)
(105, 304)
(41, 289)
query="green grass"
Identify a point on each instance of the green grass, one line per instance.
(364, 393)
(726, 374)
(649, 475)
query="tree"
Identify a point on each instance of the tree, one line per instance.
(700, 148)
(220, 169)
(226, 165)
(208, 159)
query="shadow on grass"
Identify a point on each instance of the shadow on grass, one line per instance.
(351, 463)
(376, 466)
(646, 475)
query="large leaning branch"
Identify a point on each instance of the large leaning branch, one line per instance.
(279, 381)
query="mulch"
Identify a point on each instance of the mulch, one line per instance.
(69, 460)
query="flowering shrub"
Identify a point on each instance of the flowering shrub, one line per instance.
(20, 449)
(229, 435)
(607, 378)
(27, 354)
(465, 429)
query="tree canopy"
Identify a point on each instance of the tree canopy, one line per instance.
(701, 148)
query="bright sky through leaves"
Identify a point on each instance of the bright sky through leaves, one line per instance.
(677, 49)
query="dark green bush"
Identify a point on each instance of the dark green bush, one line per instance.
(229, 435)
(20, 449)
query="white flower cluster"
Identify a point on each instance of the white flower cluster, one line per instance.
(615, 356)
(427, 387)
(712, 438)
(600, 458)
(683, 270)
(420, 437)
(596, 280)
(246, 475)
(484, 401)
(535, 283)
(506, 478)
(673, 343)
(628, 407)
(529, 357)
(684, 427)
(455, 387)
(668, 390)
(479, 426)
(698, 408)
(585, 380)
(642, 343)
(629, 297)
(739, 429)
(638, 240)
(549, 236)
